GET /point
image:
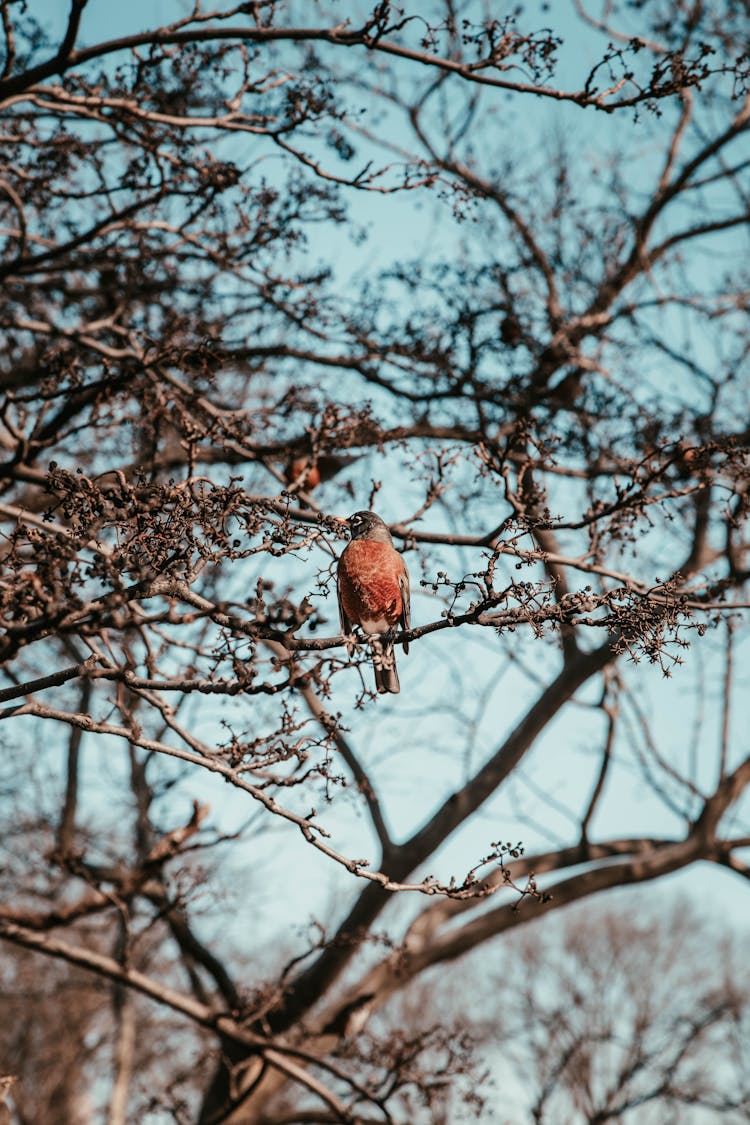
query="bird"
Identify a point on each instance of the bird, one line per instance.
(373, 592)
(308, 472)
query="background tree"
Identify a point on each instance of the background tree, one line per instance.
(535, 369)
(636, 1023)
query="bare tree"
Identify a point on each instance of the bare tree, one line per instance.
(622, 1019)
(204, 370)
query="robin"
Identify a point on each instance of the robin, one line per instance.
(309, 472)
(373, 589)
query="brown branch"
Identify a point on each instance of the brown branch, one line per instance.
(42, 920)
(55, 679)
(339, 36)
(192, 948)
(312, 982)
(430, 920)
(109, 968)
(610, 710)
(492, 191)
(66, 829)
(199, 1013)
(387, 977)
(125, 1046)
(311, 831)
(360, 775)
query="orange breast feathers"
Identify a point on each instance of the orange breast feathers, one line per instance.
(370, 576)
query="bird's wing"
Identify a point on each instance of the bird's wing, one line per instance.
(405, 618)
(346, 625)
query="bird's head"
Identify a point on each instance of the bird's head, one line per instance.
(366, 525)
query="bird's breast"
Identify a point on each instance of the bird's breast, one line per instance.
(369, 574)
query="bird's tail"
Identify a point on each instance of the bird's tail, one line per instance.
(384, 663)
